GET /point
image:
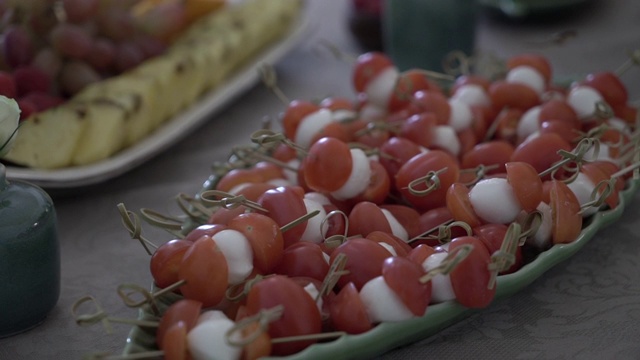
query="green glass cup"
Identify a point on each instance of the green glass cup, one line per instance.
(29, 256)
(421, 33)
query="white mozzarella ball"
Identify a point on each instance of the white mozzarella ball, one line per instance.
(494, 201)
(396, 228)
(311, 125)
(313, 292)
(461, 116)
(472, 95)
(208, 340)
(320, 198)
(237, 251)
(358, 179)
(209, 315)
(604, 154)
(583, 100)
(279, 182)
(582, 187)
(445, 137)
(441, 288)
(290, 175)
(529, 76)
(529, 122)
(382, 303)
(314, 232)
(379, 90)
(542, 237)
(372, 112)
(343, 115)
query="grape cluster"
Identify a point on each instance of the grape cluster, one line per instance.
(51, 49)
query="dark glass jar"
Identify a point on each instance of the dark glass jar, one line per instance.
(29, 256)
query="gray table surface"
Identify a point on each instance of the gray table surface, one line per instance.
(587, 307)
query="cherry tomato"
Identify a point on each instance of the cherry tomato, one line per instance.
(541, 151)
(407, 216)
(260, 347)
(403, 277)
(409, 82)
(400, 247)
(396, 151)
(471, 278)
(294, 114)
(364, 260)
(300, 316)
(565, 207)
(490, 153)
(303, 258)
(492, 236)
(166, 260)
(536, 61)
(420, 128)
(284, 205)
(378, 187)
(348, 313)
(609, 86)
(204, 229)
(512, 95)
(265, 238)
(328, 165)
(460, 206)
(366, 217)
(420, 253)
(183, 311)
(526, 184)
(205, 271)
(175, 342)
(432, 102)
(368, 66)
(420, 166)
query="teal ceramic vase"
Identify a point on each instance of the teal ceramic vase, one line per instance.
(29, 256)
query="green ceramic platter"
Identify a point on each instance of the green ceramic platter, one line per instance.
(388, 336)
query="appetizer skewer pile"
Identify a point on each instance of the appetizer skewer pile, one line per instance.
(370, 211)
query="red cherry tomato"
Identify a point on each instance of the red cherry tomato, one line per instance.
(397, 151)
(541, 151)
(303, 258)
(184, 311)
(459, 205)
(366, 217)
(202, 230)
(205, 271)
(535, 61)
(265, 238)
(403, 277)
(565, 207)
(348, 313)
(492, 236)
(364, 260)
(432, 102)
(399, 246)
(420, 166)
(368, 66)
(175, 342)
(300, 317)
(490, 153)
(609, 86)
(294, 114)
(420, 253)
(407, 216)
(284, 205)
(512, 95)
(526, 184)
(328, 165)
(409, 82)
(471, 278)
(379, 185)
(166, 260)
(420, 128)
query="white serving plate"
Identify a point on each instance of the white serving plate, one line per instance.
(171, 132)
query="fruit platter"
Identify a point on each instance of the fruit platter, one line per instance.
(357, 225)
(104, 98)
